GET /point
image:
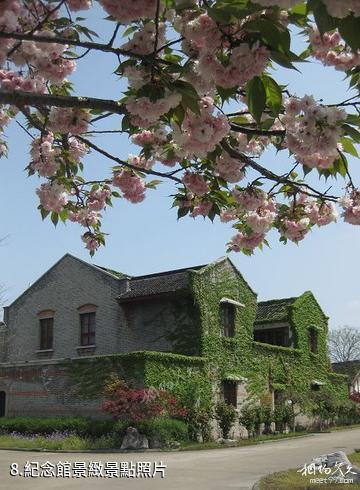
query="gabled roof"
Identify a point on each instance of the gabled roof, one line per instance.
(119, 275)
(350, 368)
(103, 270)
(275, 310)
(158, 283)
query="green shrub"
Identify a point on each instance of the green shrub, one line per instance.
(249, 418)
(226, 416)
(199, 423)
(165, 430)
(82, 426)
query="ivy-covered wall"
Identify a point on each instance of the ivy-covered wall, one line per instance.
(173, 372)
(266, 367)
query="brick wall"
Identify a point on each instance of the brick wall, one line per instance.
(40, 389)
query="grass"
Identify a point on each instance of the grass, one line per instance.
(190, 446)
(292, 479)
(70, 442)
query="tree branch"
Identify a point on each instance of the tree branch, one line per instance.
(106, 48)
(274, 177)
(20, 99)
(90, 144)
(257, 132)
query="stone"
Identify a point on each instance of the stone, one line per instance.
(338, 460)
(155, 442)
(227, 442)
(134, 440)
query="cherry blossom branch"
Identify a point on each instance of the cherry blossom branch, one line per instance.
(274, 177)
(108, 155)
(106, 48)
(20, 99)
(39, 25)
(258, 132)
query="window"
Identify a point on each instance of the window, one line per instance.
(230, 392)
(313, 340)
(46, 333)
(87, 328)
(228, 311)
(273, 336)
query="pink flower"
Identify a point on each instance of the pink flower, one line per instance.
(130, 184)
(196, 183)
(249, 199)
(229, 169)
(53, 196)
(126, 11)
(351, 207)
(202, 209)
(241, 241)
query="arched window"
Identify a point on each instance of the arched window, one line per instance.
(228, 312)
(87, 324)
(46, 326)
(313, 339)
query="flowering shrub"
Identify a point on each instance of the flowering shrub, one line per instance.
(199, 106)
(355, 397)
(136, 405)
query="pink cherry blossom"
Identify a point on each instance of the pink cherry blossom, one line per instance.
(69, 120)
(200, 134)
(53, 196)
(126, 11)
(229, 169)
(196, 183)
(227, 215)
(351, 207)
(313, 131)
(249, 199)
(132, 186)
(241, 241)
(202, 209)
(295, 230)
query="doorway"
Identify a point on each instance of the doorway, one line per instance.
(2, 403)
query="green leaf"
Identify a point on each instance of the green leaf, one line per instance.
(349, 28)
(256, 97)
(349, 147)
(323, 20)
(54, 218)
(44, 213)
(125, 123)
(273, 94)
(352, 132)
(282, 60)
(182, 211)
(190, 97)
(153, 184)
(270, 34)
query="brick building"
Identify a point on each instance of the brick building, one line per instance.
(195, 319)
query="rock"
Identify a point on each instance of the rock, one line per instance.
(134, 440)
(338, 460)
(155, 442)
(227, 442)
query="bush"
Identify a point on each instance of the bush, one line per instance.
(199, 423)
(137, 404)
(81, 426)
(226, 416)
(164, 430)
(267, 417)
(248, 418)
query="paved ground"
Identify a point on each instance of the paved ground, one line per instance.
(220, 469)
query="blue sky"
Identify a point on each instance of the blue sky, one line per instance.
(146, 237)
